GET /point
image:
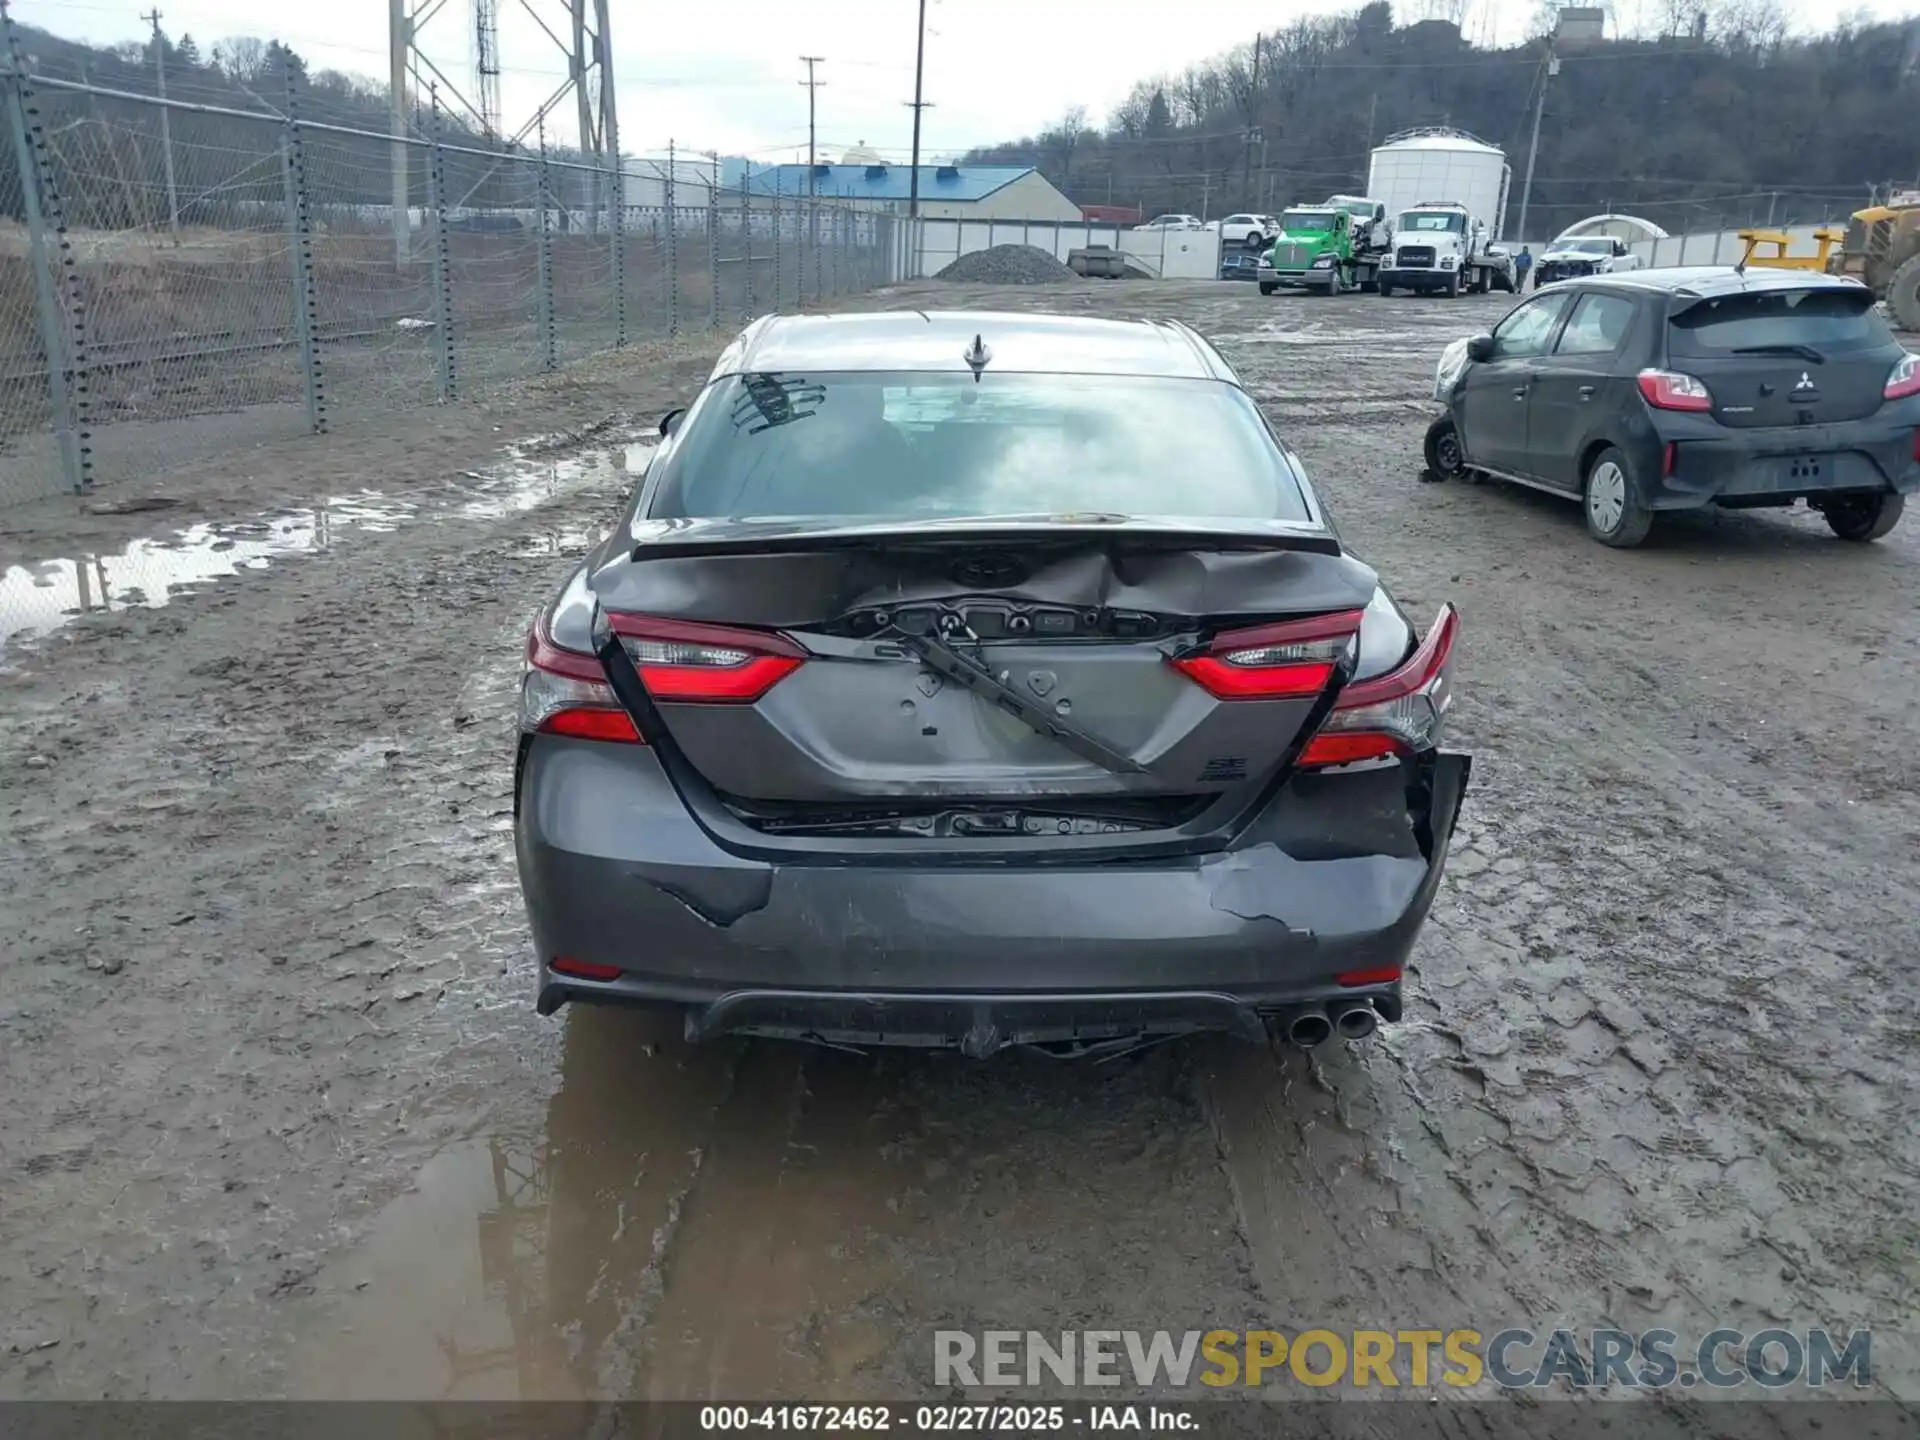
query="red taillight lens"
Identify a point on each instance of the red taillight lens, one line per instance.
(1905, 379)
(583, 969)
(1273, 662)
(1670, 390)
(1379, 975)
(564, 692)
(1395, 714)
(689, 663)
(1667, 458)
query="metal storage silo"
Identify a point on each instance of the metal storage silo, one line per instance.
(1422, 165)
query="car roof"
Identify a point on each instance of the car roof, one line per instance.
(1709, 282)
(938, 340)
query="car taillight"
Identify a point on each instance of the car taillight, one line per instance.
(1273, 662)
(1394, 714)
(1905, 379)
(689, 663)
(565, 692)
(1670, 390)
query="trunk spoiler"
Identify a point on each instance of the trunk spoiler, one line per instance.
(690, 538)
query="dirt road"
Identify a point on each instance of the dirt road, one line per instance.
(279, 1119)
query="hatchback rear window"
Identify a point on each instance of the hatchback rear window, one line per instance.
(937, 446)
(1825, 319)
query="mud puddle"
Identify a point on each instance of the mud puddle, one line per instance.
(39, 597)
(759, 1218)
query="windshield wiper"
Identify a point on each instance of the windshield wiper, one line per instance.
(1804, 352)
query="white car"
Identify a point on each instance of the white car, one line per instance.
(1251, 231)
(1573, 255)
(1173, 222)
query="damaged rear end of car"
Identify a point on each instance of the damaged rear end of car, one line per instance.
(1062, 779)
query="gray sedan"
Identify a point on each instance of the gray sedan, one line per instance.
(980, 680)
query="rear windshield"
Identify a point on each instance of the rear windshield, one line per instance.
(1825, 319)
(926, 446)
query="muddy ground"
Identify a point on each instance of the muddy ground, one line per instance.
(278, 1117)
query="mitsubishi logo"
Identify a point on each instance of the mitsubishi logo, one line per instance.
(1805, 382)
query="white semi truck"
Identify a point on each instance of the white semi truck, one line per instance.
(1445, 192)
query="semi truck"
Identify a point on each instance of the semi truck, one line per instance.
(1446, 192)
(1440, 245)
(1333, 247)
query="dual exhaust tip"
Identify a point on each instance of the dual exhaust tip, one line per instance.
(1354, 1020)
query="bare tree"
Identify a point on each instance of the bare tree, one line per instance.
(1063, 137)
(241, 57)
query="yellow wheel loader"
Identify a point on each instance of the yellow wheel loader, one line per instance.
(1882, 250)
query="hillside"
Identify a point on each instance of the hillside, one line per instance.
(1728, 123)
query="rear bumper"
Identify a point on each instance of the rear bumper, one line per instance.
(1716, 464)
(616, 872)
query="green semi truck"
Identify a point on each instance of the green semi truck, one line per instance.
(1330, 248)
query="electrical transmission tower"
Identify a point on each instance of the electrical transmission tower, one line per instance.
(486, 62)
(587, 49)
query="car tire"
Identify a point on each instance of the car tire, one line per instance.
(1445, 459)
(1615, 513)
(1266, 289)
(1386, 290)
(1453, 285)
(1864, 517)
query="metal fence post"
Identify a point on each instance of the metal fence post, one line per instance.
(70, 437)
(833, 252)
(746, 233)
(306, 298)
(550, 360)
(442, 254)
(813, 239)
(779, 246)
(619, 254)
(713, 244)
(673, 249)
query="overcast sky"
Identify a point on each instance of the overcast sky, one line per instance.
(726, 75)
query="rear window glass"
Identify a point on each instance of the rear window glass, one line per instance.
(928, 446)
(1824, 319)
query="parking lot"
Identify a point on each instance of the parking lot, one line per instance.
(279, 1117)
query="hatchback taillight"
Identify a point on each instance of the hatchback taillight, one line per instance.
(1670, 390)
(1394, 714)
(1905, 379)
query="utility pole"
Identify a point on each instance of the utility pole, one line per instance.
(166, 128)
(812, 85)
(919, 76)
(812, 241)
(1253, 128)
(1547, 71)
(401, 27)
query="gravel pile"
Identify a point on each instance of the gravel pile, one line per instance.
(1007, 265)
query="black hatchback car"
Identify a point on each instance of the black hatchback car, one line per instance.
(1674, 389)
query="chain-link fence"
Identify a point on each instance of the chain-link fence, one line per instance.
(179, 279)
